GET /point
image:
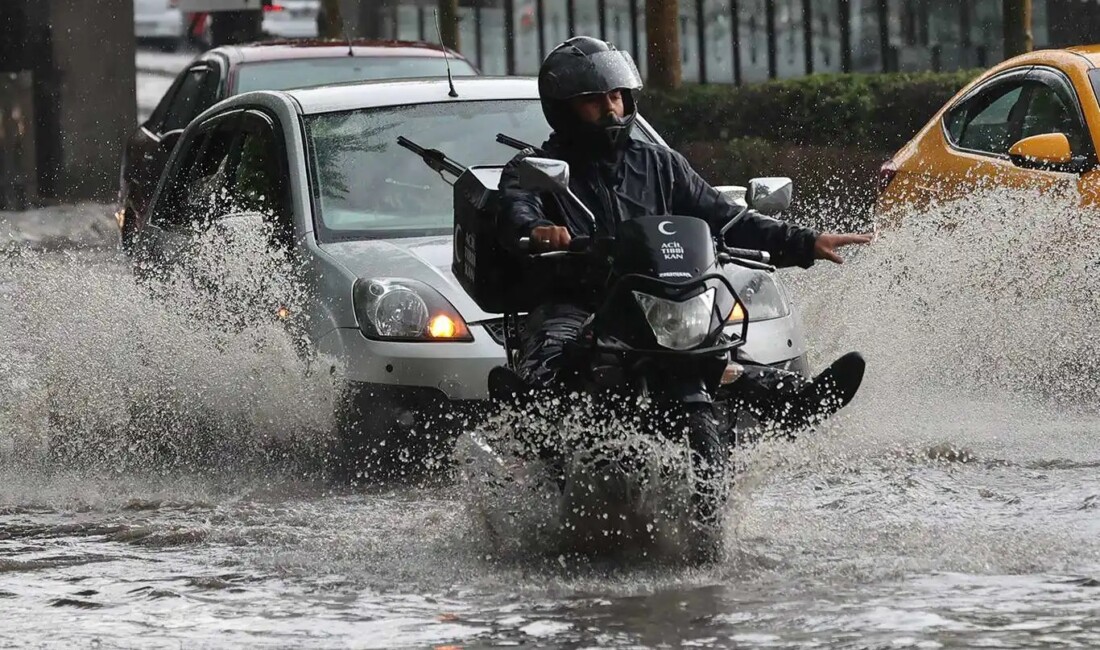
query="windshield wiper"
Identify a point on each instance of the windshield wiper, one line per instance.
(433, 158)
(509, 141)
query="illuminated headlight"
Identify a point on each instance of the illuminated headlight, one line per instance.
(678, 325)
(762, 296)
(406, 310)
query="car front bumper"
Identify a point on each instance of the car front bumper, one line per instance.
(459, 371)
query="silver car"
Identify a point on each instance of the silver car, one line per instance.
(292, 19)
(372, 225)
(159, 21)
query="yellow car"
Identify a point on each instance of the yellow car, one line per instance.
(1030, 122)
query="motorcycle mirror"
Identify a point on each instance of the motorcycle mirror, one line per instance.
(549, 175)
(770, 195)
(543, 174)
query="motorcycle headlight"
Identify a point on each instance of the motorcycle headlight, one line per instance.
(761, 294)
(678, 325)
(406, 310)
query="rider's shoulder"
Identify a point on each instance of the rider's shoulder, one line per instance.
(654, 149)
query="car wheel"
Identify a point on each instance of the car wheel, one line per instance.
(373, 443)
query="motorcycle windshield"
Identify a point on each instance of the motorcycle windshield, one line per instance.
(673, 249)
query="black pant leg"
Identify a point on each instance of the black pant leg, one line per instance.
(548, 329)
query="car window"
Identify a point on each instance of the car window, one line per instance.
(198, 183)
(260, 177)
(369, 186)
(196, 93)
(1094, 77)
(984, 123)
(156, 118)
(1047, 112)
(299, 73)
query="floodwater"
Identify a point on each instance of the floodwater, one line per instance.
(159, 482)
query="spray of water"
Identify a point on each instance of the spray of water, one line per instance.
(189, 367)
(975, 319)
(580, 478)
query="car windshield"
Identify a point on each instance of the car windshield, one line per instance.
(371, 187)
(300, 73)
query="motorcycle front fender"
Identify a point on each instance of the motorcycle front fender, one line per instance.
(689, 391)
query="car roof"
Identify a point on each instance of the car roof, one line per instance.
(281, 50)
(1090, 52)
(395, 92)
(1079, 58)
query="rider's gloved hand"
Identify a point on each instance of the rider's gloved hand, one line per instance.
(827, 243)
(550, 238)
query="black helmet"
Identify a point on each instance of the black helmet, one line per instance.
(584, 65)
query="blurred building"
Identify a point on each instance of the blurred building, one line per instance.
(739, 41)
(64, 65)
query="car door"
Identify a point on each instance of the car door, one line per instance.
(193, 193)
(1053, 106)
(147, 153)
(260, 205)
(1090, 179)
(978, 133)
(260, 181)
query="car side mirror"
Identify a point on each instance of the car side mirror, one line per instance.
(1046, 151)
(770, 195)
(543, 174)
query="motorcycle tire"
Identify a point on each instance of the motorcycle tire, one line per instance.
(710, 462)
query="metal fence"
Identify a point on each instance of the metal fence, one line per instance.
(18, 175)
(736, 41)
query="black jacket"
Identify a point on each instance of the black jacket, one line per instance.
(645, 180)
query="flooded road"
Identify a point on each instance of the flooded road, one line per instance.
(159, 478)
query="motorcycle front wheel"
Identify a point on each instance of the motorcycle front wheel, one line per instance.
(710, 463)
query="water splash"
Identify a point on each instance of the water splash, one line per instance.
(188, 367)
(578, 480)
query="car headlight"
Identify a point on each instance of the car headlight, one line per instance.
(406, 310)
(678, 325)
(761, 294)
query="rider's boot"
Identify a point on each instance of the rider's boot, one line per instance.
(793, 402)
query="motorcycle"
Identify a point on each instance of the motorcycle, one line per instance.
(658, 352)
(655, 350)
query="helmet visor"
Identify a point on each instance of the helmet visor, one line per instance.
(600, 72)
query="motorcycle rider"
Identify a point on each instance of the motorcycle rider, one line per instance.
(587, 88)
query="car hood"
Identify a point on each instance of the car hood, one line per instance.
(427, 259)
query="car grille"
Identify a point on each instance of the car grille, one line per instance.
(495, 328)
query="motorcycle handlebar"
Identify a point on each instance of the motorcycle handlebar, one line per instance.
(748, 254)
(576, 245)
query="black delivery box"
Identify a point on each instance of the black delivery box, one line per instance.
(491, 275)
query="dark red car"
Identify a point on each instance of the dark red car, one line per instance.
(269, 65)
